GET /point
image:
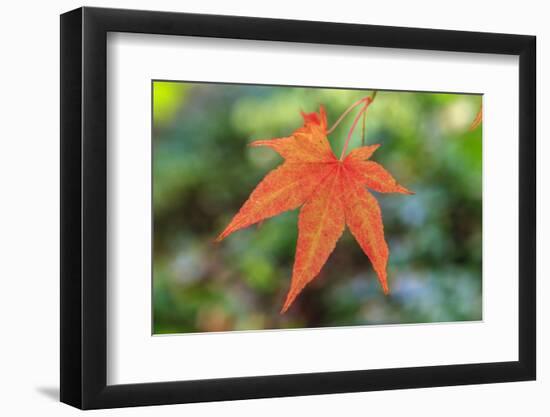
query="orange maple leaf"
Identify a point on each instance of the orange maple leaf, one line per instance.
(332, 193)
(477, 120)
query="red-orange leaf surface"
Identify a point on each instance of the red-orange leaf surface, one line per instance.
(332, 194)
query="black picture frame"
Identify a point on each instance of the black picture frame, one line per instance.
(84, 207)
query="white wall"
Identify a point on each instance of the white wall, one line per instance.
(29, 224)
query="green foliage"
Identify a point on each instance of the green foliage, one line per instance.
(166, 100)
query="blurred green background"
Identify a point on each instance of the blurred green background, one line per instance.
(203, 171)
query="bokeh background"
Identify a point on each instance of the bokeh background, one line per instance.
(203, 171)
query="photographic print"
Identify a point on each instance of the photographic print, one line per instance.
(377, 195)
(283, 207)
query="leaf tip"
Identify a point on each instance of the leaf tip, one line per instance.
(285, 307)
(312, 117)
(256, 143)
(404, 190)
(288, 302)
(221, 236)
(374, 148)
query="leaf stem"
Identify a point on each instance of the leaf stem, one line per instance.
(366, 101)
(362, 112)
(350, 133)
(350, 108)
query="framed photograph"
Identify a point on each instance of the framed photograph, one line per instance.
(259, 208)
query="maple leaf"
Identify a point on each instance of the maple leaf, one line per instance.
(477, 119)
(331, 192)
